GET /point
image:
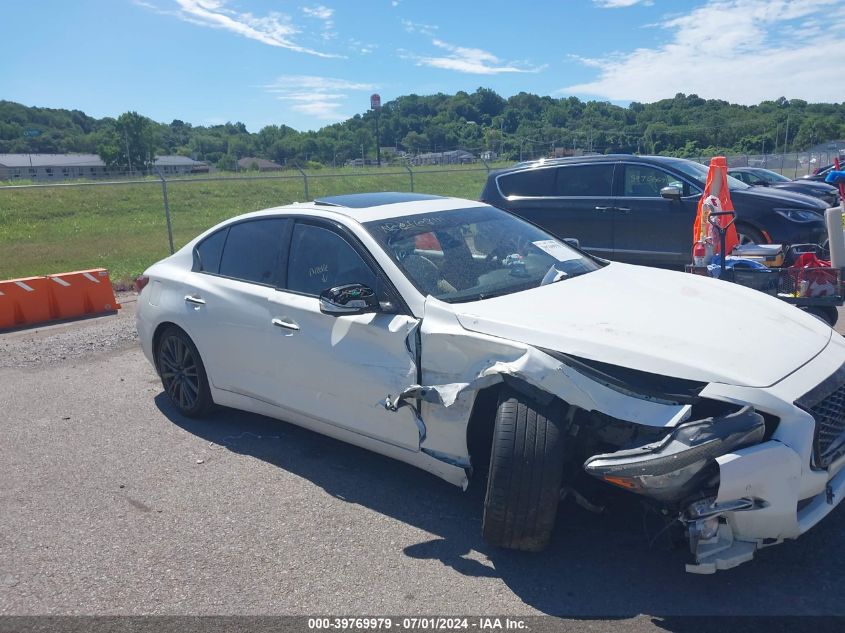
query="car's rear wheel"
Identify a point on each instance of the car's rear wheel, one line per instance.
(749, 235)
(526, 468)
(183, 373)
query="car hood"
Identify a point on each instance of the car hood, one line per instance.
(778, 198)
(658, 321)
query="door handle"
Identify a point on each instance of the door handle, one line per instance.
(285, 323)
(623, 209)
(603, 208)
(195, 300)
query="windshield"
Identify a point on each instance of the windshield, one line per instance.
(478, 253)
(699, 172)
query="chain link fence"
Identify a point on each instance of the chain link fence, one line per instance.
(125, 225)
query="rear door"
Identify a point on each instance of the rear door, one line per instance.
(650, 229)
(228, 304)
(568, 201)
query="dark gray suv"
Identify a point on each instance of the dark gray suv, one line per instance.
(640, 209)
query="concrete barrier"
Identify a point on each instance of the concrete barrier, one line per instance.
(34, 300)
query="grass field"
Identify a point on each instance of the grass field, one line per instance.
(122, 226)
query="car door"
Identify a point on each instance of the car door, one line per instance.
(568, 201)
(648, 228)
(340, 369)
(227, 304)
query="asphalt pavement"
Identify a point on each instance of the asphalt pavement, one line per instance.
(112, 503)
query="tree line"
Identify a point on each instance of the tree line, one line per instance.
(524, 125)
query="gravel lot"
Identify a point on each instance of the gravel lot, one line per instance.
(111, 503)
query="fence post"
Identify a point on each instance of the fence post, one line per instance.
(305, 182)
(166, 210)
(410, 173)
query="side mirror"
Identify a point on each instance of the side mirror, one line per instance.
(348, 299)
(670, 193)
(573, 242)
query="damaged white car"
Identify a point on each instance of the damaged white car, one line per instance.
(458, 338)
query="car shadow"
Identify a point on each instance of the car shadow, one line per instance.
(615, 565)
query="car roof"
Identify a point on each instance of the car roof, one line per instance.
(376, 199)
(590, 158)
(368, 207)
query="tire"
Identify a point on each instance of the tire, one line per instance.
(526, 469)
(182, 373)
(749, 235)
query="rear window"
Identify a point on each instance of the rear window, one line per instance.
(531, 183)
(585, 180)
(207, 254)
(570, 180)
(253, 251)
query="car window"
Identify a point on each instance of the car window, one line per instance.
(584, 180)
(253, 251)
(207, 253)
(481, 252)
(642, 181)
(321, 259)
(531, 183)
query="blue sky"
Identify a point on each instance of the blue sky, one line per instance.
(307, 64)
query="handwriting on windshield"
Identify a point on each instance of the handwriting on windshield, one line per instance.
(412, 223)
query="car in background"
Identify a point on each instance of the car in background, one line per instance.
(641, 209)
(759, 177)
(460, 339)
(821, 173)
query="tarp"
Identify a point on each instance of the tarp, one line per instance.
(717, 197)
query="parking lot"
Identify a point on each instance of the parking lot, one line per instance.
(114, 504)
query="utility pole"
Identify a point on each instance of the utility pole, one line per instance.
(786, 135)
(375, 104)
(128, 157)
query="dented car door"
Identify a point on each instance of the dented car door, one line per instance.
(371, 355)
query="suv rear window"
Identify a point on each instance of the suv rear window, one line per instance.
(585, 180)
(530, 183)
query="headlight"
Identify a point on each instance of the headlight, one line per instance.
(801, 216)
(673, 467)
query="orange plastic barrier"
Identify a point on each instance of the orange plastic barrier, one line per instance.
(64, 296)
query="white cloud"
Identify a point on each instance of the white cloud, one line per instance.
(323, 13)
(418, 27)
(318, 97)
(274, 29)
(320, 12)
(618, 4)
(469, 60)
(743, 51)
(363, 48)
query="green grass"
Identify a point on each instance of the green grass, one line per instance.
(122, 227)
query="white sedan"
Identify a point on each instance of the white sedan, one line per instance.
(458, 338)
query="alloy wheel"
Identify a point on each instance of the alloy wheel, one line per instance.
(179, 372)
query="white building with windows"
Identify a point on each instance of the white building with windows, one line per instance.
(68, 166)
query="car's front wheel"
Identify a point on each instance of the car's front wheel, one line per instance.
(526, 469)
(182, 373)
